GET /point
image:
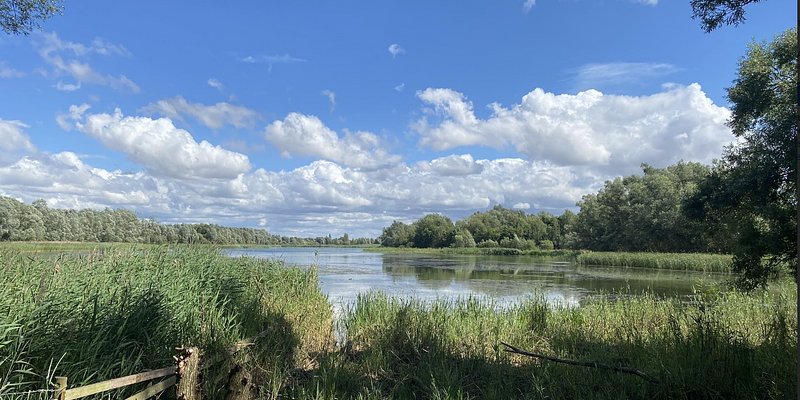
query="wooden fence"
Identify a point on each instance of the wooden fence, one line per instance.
(185, 375)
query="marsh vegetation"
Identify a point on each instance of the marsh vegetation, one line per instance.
(119, 311)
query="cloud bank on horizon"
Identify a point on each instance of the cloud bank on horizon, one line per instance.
(571, 144)
(276, 155)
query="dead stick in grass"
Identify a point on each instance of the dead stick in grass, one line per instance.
(591, 364)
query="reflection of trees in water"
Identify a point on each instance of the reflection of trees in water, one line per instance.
(512, 277)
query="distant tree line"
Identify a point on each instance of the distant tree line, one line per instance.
(24, 222)
(498, 227)
(636, 213)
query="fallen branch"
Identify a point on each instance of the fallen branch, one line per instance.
(591, 364)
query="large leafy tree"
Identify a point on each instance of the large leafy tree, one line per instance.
(434, 230)
(644, 213)
(21, 16)
(753, 189)
(397, 234)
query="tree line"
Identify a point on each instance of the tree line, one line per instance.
(38, 222)
(646, 212)
(498, 227)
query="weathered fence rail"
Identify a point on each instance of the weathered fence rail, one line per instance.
(184, 375)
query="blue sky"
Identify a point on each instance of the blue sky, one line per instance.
(309, 118)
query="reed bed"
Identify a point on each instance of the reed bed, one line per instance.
(116, 312)
(724, 345)
(58, 247)
(675, 261)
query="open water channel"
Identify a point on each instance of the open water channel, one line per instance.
(346, 272)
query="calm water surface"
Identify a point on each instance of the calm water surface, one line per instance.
(345, 272)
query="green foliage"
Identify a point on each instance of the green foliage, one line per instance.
(21, 16)
(644, 213)
(119, 311)
(498, 227)
(487, 244)
(502, 223)
(37, 222)
(753, 189)
(434, 230)
(715, 13)
(725, 345)
(463, 238)
(397, 234)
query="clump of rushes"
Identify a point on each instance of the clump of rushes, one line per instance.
(676, 261)
(115, 312)
(722, 346)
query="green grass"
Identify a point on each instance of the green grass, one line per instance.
(725, 346)
(118, 311)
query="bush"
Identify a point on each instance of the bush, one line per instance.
(488, 243)
(463, 239)
(508, 243)
(546, 245)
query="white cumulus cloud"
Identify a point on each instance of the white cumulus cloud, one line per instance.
(163, 149)
(452, 165)
(307, 136)
(12, 137)
(611, 132)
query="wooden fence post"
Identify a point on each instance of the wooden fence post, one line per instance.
(188, 369)
(61, 387)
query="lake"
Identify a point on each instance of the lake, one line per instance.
(345, 272)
